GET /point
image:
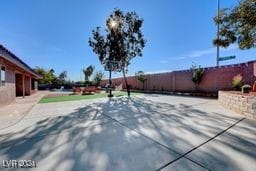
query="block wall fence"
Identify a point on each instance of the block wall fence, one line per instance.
(213, 80)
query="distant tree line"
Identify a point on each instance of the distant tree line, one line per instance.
(97, 76)
(52, 81)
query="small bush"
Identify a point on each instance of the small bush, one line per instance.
(141, 77)
(198, 73)
(237, 82)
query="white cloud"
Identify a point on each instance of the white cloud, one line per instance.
(163, 61)
(182, 57)
(231, 47)
(178, 58)
(200, 53)
(156, 72)
(56, 49)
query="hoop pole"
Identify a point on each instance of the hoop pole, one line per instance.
(110, 83)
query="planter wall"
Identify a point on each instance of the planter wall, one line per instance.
(243, 104)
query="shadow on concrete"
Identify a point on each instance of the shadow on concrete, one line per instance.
(121, 134)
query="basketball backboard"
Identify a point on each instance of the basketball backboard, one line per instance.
(112, 66)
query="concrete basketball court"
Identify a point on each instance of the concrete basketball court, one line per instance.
(145, 132)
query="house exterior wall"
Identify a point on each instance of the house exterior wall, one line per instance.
(14, 83)
(7, 92)
(18, 77)
(19, 84)
(213, 80)
(27, 86)
(34, 86)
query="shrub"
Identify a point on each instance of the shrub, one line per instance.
(237, 82)
(198, 73)
(141, 77)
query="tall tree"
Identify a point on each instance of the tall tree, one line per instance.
(237, 24)
(140, 75)
(63, 77)
(88, 72)
(122, 41)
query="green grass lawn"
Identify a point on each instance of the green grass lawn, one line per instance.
(82, 97)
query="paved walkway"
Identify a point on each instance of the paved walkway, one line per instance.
(147, 132)
(14, 112)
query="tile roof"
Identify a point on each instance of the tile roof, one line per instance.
(16, 60)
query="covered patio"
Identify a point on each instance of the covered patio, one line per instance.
(17, 78)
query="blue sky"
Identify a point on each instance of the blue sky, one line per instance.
(55, 33)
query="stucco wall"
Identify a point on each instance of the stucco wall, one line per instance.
(27, 86)
(214, 79)
(7, 92)
(13, 85)
(19, 84)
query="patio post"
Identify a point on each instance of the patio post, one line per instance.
(23, 85)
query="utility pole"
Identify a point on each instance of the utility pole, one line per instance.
(218, 32)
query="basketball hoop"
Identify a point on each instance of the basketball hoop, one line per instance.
(113, 66)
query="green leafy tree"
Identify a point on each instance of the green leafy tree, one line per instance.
(80, 83)
(40, 71)
(237, 24)
(48, 76)
(140, 75)
(197, 74)
(62, 78)
(87, 73)
(122, 41)
(98, 76)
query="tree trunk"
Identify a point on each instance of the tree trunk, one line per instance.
(126, 83)
(196, 88)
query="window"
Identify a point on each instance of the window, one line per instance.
(2, 76)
